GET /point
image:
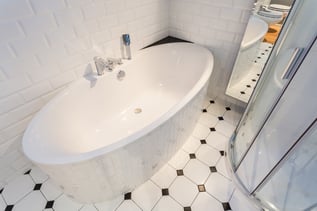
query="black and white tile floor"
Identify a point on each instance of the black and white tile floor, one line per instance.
(245, 87)
(195, 179)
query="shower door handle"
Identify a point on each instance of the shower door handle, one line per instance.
(290, 66)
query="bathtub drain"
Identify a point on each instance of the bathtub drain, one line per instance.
(137, 110)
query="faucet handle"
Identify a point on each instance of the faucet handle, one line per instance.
(114, 61)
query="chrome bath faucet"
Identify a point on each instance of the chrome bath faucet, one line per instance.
(106, 64)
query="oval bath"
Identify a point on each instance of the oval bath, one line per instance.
(102, 137)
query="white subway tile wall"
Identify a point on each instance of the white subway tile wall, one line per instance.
(216, 24)
(46, 44)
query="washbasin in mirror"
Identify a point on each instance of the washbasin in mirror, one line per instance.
(260, 36)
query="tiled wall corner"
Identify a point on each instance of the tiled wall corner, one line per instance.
(46, 44)
(218, 25)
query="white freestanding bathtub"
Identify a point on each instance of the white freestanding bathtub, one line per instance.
(102, 137)
(254, 33)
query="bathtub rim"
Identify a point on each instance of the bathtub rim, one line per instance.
(80, 157)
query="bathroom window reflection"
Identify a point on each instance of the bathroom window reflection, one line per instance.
(262, 31)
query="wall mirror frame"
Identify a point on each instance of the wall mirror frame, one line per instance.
(262, 32)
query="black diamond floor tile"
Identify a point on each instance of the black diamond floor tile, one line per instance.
(201, 188)
(222, 153)
(203, 141)
(49, 204)
(180, 172)
(226, 206)
(187, 209)
(165, 192)
(212, 129)
(37, 187)
(213, 169)
(27, 172)
(9, 208)
(128, 196)
(192, 156)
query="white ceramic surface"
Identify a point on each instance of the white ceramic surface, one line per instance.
(92, 143)
(255, 31)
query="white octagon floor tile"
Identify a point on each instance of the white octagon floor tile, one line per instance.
(225, 128)
(34, 201)
(219, 187)
(2, 204)
(166, 203)
(217, 140)
(17, 189)
(147, 195)
(197, 171)
(205, 202)
(201, 131)
(216, 109)
(38, 175)
(64, 203)
(206, 102)
(183, 191)
(128, 205)
(232, 117)
(88, 207)
(191, 144)
(208, 119)
(165, 176)
(179, 160)
(222, 168)
(110, 205)
(208, 155)
(50, 190)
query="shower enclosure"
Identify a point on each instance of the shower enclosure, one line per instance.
(273, 152)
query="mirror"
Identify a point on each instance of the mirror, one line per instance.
(262, 31)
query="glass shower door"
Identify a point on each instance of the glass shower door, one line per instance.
(279, 70)
(293, 186)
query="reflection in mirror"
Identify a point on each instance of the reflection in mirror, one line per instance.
(261, 33)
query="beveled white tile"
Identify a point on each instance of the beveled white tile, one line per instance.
(222, 168)
(225, 128)
(191, 144)
(217, 140)
(64, 203)
(147, 195)
(89, 207)
(183, 191)
(17, 189)
(208, 155)
(128, 205)
(165, 176)
(166, 203)
(179, 160)
(205, 202)
(110, 204)
(34, 201)
(50, 190)
(200, 131)
(219, 187)
(208, 119)
(38, 175)
(196, 171)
